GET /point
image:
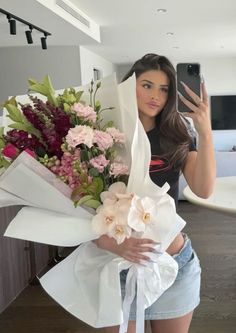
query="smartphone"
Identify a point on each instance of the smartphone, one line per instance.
(189, 73)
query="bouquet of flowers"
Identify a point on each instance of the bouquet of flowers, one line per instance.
(67, 137)
(65, 156)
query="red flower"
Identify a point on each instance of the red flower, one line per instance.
(10, 151)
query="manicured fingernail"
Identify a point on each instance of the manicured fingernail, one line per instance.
(143, 262)
(179, 93)
(202, 79)
(183, 84)
(158, 252)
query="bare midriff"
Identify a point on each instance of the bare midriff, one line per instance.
(176, 245)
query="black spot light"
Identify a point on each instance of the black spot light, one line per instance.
(12, 23)
(44, 42)
(28, 33)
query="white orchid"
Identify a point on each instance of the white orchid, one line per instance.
(104, 219)
(120, 232)
(124, 213)
(143, 213)
(112, 216)
(115, 192)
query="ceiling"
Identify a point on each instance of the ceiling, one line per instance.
(131, 28)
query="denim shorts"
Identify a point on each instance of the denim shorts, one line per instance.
(184, 294)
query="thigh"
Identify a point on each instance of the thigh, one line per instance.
(174, 325)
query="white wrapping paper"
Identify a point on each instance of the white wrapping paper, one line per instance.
(87, 282)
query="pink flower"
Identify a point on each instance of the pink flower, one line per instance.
(80, 134)
(10, 151)
(116, 134)
(118, 168)
(102, 139)
(86, 112)
(30, 152)
(99, 162)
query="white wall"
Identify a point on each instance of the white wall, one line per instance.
(220, 75)
(89, 61)
(17, 64)
(220, 78)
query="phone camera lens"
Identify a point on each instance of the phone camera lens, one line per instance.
(193, 69)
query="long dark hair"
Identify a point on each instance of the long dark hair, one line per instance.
(174, 137)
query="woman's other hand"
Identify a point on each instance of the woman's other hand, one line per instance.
(132, 249)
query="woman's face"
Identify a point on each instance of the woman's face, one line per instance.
(152, 90)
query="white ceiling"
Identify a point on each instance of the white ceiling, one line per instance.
(131, 28)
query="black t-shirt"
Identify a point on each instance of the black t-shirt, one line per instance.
(160, 170)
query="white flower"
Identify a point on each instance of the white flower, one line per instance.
(112, 220)
(104, 219)
(143, 213)
(115, 191)
(120, 232)
(112, 216)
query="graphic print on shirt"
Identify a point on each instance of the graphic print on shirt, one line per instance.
(158, 164)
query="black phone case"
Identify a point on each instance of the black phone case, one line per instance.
(192, 80)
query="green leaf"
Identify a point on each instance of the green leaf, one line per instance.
(84, 155)
(77, 191)
(108, 124)
(98, 84)
(2, 143)
(14, 113)
(66, 107)
(84, 178)
(97, 106)
(44, 88)
(93, 203)
(11, 100)
(84, 199)
(1, 131)
(94, 172)
(27, 128)
(37, 87)
(98, 183)
(32, 81)
(96, 187)
(69, 96)
(3, 162)
(78, 95)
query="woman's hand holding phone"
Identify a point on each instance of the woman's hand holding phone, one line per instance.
(199, 110)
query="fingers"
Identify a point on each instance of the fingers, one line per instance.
(196, 99)
(190, 105)
(204, 94)
(144, 249)
(134, 249)
(145, 241)
(141, 257)
(189, 114)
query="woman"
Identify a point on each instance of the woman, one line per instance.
(173, 151)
